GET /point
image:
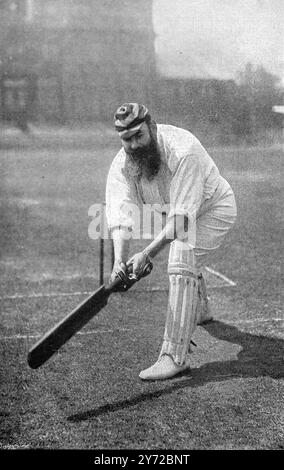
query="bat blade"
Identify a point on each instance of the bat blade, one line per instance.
(67, 327)
(74, 321)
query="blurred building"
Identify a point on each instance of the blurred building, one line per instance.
(278, 109)
(75, 60)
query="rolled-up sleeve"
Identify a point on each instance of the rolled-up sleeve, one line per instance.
(186, 188)
(121, 199)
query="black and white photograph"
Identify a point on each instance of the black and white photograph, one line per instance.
(141, 230)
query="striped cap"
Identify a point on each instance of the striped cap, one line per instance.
(129, 118)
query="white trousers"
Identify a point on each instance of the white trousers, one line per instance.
(215, 218)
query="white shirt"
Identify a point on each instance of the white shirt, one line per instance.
(187, 177)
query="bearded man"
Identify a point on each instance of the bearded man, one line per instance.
(167, 166)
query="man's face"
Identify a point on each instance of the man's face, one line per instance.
(143, 150)
(140, 140)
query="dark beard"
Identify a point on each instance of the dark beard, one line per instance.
(147, 160)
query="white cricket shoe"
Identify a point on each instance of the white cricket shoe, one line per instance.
(164, 368)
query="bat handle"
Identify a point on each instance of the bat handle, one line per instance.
(147, 269)
(123, 281)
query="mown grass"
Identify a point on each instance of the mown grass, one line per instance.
(89, 395)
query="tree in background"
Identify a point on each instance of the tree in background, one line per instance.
(258, 92)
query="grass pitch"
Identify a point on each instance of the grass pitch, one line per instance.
(89, 396)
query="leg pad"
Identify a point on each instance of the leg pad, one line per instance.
(181, 317)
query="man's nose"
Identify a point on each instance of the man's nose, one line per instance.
(134, 144)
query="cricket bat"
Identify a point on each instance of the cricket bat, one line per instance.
(55, 338)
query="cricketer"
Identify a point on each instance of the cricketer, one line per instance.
(168, 168)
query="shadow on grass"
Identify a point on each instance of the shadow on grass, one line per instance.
(260, 356)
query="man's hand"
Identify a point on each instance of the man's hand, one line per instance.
(118, 266)
(137, 263)
(143, 267)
